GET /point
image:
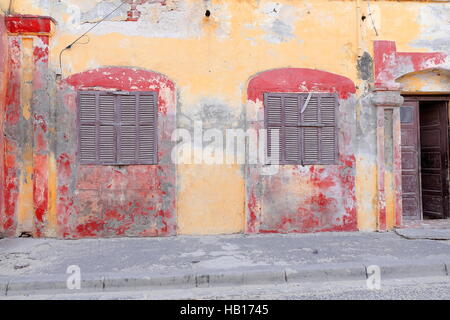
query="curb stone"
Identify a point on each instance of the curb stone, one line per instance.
(392, 270)
(333, 272)
(291, 274)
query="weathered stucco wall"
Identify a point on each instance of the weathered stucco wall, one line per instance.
(211, 63)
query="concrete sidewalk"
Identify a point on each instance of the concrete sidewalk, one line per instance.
(32, 266)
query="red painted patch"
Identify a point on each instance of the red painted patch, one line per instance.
(298, 80)
(12, 111)
(320, 180)
(389, 64)
(28, 24)
(90, 229)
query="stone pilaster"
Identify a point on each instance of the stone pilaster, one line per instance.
(389, 168)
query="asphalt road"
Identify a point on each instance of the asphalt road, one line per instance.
(429, 288)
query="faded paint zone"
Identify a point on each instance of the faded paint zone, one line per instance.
(109, 201)
(308, 198)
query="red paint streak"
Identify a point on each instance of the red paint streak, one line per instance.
(347, 178)
(252, 207)
(40, 51)
(12, 111)
(28, 24)
(12, 116)
(382, 216)
(11, 189)
(40, 171)
(40, 191)
(389, 63)
(298, 80)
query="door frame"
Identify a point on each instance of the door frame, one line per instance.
(428, 97)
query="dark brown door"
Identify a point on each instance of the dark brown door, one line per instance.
(434, 158)
(410, 160)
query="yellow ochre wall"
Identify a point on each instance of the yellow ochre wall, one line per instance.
(211, 59)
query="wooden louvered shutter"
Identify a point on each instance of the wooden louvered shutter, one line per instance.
(128, 129)
(88, 127)
(274, 124)
(319, 130)
(117, 128)
(138, 128)
(147, 128)
(291, 133)
(311, 131)
(328, 138)
(308, 137)
(106, 128)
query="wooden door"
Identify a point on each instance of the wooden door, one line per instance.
(411, 197)
(434, 158)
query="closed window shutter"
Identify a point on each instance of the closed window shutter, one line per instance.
(117, 129)
(128, 129)
(328, 150)
(274, 107)
(147, 133)
(106, 129)
(88, 127)
(107, 144)
(138, 128)
(305, 138)
(88, 148)
(311, 131)
(319, 129)
(291, 132)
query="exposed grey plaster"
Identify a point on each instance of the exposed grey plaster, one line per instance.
(366, 129)
(365, 67)
(388, 139)
(279, 23)
(434, 21)
(102, 9)
(156, 20)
